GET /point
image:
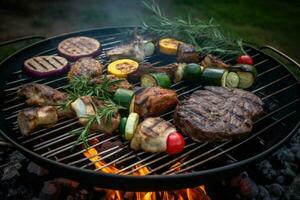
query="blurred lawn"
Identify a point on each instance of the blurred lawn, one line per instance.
(271, 22)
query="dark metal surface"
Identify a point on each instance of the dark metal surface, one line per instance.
(198, 163)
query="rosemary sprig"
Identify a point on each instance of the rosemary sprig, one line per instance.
(83, 86)
(103, 115)
(205, 35)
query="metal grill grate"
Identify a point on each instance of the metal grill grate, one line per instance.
(275, 85)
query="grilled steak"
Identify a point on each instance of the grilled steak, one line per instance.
(153, 101)
(87, 67)
(218, 114)
(78, 47)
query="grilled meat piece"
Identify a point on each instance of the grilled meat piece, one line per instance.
(213, 61)
(152, 101)
(31, 119)
(84, 107)
(134, 50)
(186, 53)
(87, 67)
(147, 68)
(151, 135)
(41, 95)
(122, 83)
(218, 114)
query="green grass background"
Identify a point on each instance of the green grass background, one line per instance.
(272, 22)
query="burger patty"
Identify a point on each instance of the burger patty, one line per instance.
(218, 114)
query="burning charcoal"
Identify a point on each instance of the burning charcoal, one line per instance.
(293, 192)
(67, 182)
(36, 169)
(280, 179)
(262, 193)
(16, 157)
(50, 191)
(11, 171)
(245, 185)
(275, 189)
(286, 155)
(109, 145)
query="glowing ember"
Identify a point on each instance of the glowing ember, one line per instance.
(197, 193)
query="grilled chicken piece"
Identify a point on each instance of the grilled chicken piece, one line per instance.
(84, 107)
(31, 119)
(147, 68)
(134, 50)
(151, 135)
(186, 53)
(123, 83)
(41, 95)
(213, 61)
(87, 67)
(153, 101)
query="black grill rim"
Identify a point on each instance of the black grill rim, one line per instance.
(140, 183)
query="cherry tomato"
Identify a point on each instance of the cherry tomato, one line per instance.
(175, 143)
(245, 59)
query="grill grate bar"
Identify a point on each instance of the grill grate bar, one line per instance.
(271, 83)
(69, 146)
(69, 123)
(101, 142)
(269, 70)
(279, 91)
(173, 161)
(37, 148)
(228, 149)
(199, 156)
(116, 160)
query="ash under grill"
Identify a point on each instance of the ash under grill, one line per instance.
(278, 89)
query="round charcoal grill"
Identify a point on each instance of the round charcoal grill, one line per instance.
(198, 163)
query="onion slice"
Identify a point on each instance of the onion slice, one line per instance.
(45, 66)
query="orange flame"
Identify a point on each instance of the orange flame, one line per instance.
(197, 193)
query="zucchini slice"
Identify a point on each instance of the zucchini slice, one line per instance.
(223, 80)
(123, 97)
(232, 80)
(122, 126)
(156, 79)
(246, 79)
(214, 76)
(244, 68)
(131, 124)
(192, 72)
